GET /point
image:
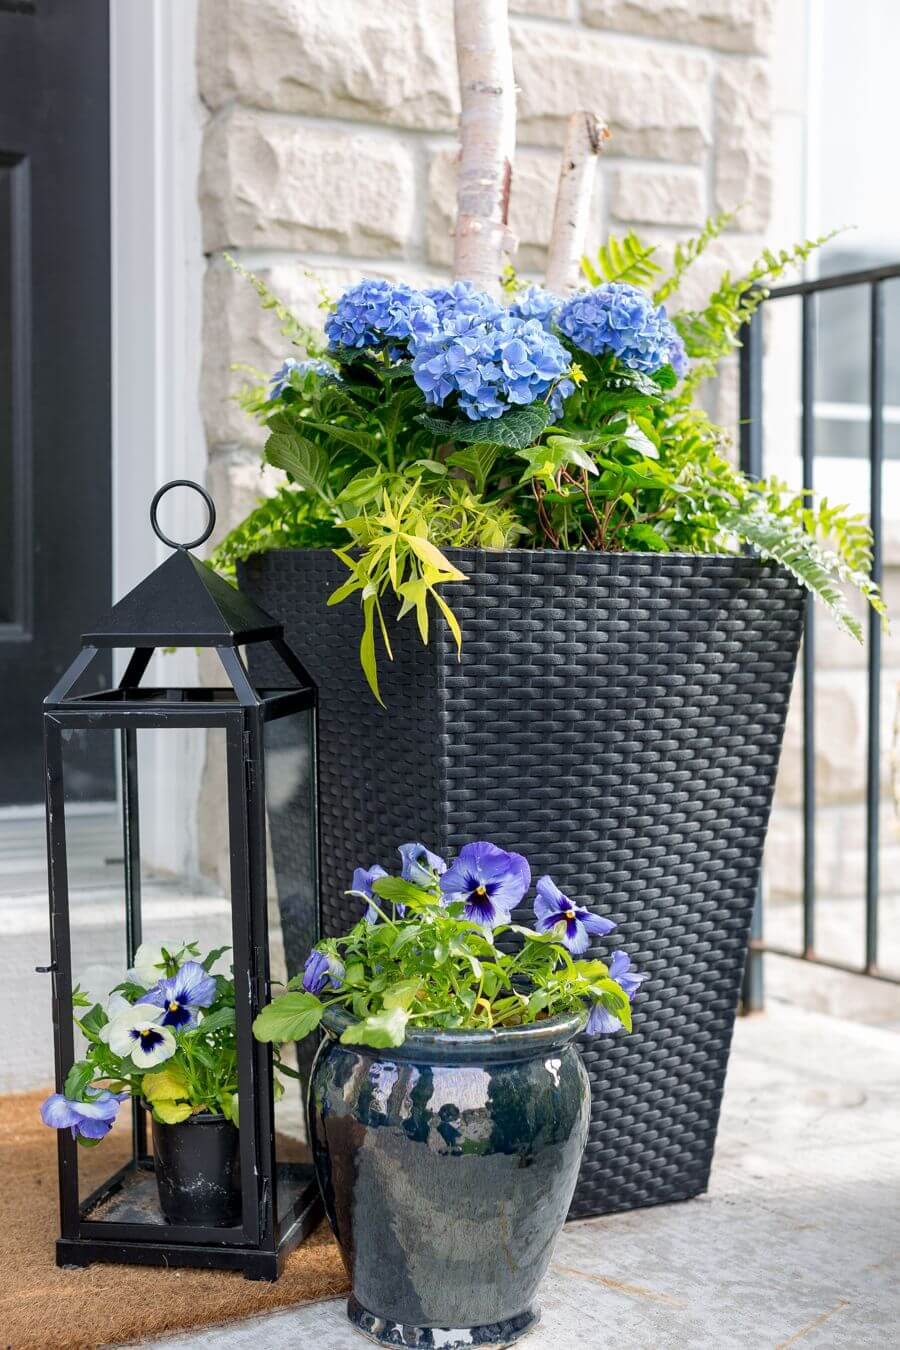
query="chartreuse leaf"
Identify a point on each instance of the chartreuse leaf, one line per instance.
(171, 1113)
(290, 1017)
(378, 1029)
(167, 1082)
(402, 995)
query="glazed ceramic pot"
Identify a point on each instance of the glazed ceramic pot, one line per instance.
(447, 1167)
(197, 1165)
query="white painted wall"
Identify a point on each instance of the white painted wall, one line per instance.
(157, 275)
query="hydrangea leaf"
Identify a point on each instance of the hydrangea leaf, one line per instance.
(516, 430)
(306, 462)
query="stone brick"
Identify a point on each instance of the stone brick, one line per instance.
(729, 25)
(840, 745)
(660, 198)
(268, 182)
(743, 141)
(530, 207)
(544, 9)
(655, 100)
(332, 58)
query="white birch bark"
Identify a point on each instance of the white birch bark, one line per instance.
(488, 139)
(585, 135)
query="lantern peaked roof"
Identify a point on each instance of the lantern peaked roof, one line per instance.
(183, 603)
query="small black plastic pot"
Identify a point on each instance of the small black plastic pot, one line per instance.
(198, 1172)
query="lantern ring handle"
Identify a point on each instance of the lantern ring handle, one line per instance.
(210, 506)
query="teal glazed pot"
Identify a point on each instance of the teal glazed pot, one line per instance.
(447, 1167)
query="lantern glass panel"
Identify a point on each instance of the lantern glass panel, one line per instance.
(173, 892)
(293, 923)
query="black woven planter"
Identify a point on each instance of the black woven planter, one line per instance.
(618, 719)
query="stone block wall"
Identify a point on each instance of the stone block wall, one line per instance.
(330, 147)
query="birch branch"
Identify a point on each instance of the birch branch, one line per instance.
(585, 135)
(488, 138)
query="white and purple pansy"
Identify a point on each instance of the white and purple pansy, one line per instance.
(137, 1034)
(419, 865)
(488, 881)
(182, 996)
(91, 1119)
(601, 1021)
(154, 961)
(552, 907)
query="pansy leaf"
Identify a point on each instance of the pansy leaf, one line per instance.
(378, 1029)
(399, 892)
(402, 994)
(213, 957)
(77, 1079)
(171, 1113)
(216, 1021)
(289, 1017)
(93, 1022)
(514, 429)
(168, 1083)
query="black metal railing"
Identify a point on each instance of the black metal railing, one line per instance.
(751, 459)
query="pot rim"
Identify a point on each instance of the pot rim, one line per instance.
(195, 1118)
(434, 1045)
(735, 558)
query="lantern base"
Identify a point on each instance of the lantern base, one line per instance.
(132, 1248)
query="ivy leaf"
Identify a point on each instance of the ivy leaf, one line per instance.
(378, 1029)
(290, 1017)
(515, 429)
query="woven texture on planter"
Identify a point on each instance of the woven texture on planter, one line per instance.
(617, 718)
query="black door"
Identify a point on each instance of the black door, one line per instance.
(55, 523)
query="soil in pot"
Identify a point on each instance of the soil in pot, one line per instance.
(198, 1175)
(447, 1167)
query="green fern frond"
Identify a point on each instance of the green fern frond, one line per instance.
(687, 253)
(820, 570)
(625, 259)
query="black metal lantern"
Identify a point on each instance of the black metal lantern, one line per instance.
(267, 741)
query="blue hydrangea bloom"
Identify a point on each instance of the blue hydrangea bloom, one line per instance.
(491, 364)
(371, 312)
(462, 298)
(622, 320)
(282, 377)
(537, 303)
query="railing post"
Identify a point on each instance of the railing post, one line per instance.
(750, 442)
(873, 748)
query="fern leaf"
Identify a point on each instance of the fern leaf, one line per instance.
(625, 259)
(687, 253)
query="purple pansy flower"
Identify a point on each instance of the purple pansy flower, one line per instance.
(601, 1021)
(183, 995)
(552, 907)
(320, 971)
(363, 878)
(91, 1119)
(419, 864)
(488, 881)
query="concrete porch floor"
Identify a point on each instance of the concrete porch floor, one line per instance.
(797, 1242)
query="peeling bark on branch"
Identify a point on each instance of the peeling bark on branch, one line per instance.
(585, 135)
(487, 137)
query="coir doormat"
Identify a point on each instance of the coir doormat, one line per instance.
(44, 1308)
